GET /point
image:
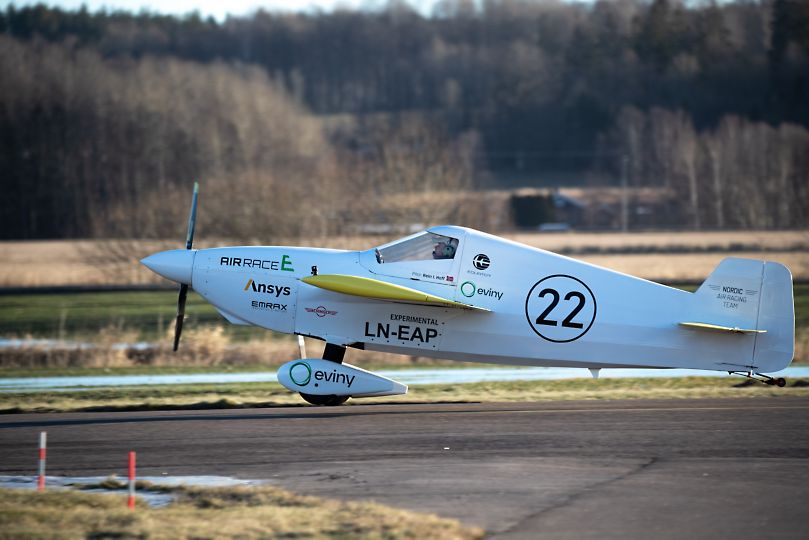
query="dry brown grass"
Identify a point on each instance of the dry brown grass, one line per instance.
(87, 262)
(205, 346)
(801, 347)
(691, 267)
(201, 513)
(702, 241)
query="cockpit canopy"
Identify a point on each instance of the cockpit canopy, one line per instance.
(423, 246)
(433, 255)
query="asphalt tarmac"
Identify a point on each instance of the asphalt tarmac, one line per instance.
(724, 468)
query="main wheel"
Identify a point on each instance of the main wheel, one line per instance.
(329, 401)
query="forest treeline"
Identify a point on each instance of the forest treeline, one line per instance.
(302, 123)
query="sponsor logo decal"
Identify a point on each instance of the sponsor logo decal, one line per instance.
(267, 306)
(469, 289)
(560, 308)
(334, 377)
(284, 265)
(481, 261)
(267, 288)
(300, 373)
(732, 297)
(320, 311)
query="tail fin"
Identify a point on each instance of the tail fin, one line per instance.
(751, 297)
(776, 313)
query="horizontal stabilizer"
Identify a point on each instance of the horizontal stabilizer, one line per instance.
(718, 328)
(381, 290)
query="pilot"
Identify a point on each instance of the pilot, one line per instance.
(445, 250)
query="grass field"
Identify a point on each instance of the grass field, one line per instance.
(114, 317)
(234, 512)
(149, 313)
(80, 316)
(251, 395)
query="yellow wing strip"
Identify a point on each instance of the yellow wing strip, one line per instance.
(381, 290)
(718, 328)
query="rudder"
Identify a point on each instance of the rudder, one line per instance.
(774, 350)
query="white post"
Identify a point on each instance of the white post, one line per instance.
(43, 440)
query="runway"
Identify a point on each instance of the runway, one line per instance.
(729, 468)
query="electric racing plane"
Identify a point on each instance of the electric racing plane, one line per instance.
(457, 293)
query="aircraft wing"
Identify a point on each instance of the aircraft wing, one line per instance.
(381, 290)
(718, 328)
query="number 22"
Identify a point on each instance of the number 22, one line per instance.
(568, 322)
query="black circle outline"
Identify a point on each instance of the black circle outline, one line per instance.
(528, 317)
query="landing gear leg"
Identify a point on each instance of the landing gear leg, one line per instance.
(780, 382)
(332, 353)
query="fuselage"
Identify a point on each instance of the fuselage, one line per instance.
(545, 309)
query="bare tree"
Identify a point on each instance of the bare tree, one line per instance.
(713, 149)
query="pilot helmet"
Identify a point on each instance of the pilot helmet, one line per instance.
(449, 247)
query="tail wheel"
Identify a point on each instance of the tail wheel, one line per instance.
(329, 401)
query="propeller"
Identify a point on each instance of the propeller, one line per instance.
(189, 241)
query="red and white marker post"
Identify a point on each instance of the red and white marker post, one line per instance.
(131, 501)
(43, 440)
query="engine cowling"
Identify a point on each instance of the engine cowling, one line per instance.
(321, 377)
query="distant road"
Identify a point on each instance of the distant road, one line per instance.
(730, 468)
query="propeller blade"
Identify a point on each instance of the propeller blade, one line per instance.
(178, 324)
(189, 241)
(192, 218)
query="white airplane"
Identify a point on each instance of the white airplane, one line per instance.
(457, 293)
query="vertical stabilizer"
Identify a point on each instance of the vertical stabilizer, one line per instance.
(730, 295)
(754, 297)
